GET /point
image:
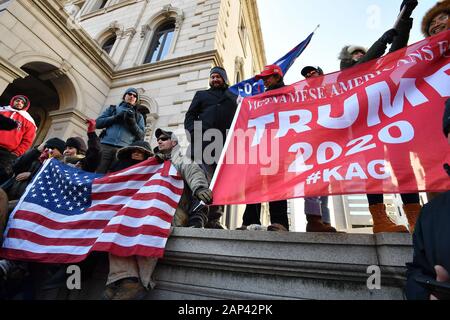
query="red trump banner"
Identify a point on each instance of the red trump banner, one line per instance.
(373, 128)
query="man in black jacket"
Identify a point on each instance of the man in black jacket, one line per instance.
(398, 37)
(272, 76)
(354, 55)
(431, 239)
(210, 109)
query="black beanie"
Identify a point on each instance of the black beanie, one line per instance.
(220, 71)
(135, 91)
(56, 143)
(78, 143)
(446, 120)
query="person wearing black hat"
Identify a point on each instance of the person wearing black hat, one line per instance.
(431, 239)
(123, 124)
(136, 152)
(310, 71)
(130, 277)
(211, 109)
(195, 178)
(316, 208)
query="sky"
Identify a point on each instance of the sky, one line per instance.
(285, 23)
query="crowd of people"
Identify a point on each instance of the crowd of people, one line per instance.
(121, 145)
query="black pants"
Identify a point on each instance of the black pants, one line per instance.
(215, 212)
(277, 210)
(108, 158)
(6, 164)
(407, 198)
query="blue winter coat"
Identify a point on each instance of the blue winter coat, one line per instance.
(121, 130)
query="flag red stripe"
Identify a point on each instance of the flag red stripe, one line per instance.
(137, 196)
(41, 240)
(168, 185)
(137, 250)
(23, 255)
(138, 213)
(133, 232)
(58, 225)
(124, 178)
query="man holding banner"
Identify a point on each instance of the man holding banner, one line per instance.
(354, 55)
(366, 129)
(272, 76)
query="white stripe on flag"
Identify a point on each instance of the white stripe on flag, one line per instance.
(108, 187)
(178, 183)
(147, 204)
(138, 170)
(148, 241)
(20, 244)
(55, 234)
(139, 222)
(39, 210)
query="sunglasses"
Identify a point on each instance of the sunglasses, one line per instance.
(163, 138)
(132, 94)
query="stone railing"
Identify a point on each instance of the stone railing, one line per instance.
(222, 264)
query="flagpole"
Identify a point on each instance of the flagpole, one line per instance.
(318, 26)
(227, 143)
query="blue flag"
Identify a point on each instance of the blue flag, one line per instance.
(253, 87)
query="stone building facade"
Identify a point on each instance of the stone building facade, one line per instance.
(75, 57)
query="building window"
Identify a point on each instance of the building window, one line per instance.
(107, 46)
(100, 4)
(3, 4)
(161, 42)
(242, 31)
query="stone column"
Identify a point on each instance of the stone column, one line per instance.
(9, 73)
(67, 123)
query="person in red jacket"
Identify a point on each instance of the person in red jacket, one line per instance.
(14, 143)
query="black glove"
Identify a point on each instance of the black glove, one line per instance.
(410, 6)
(388, 36)
(130, 118)
(204, 195)
(7, 123)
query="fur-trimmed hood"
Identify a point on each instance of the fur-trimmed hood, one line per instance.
(440, 7)
(346, 55)
(346, 52)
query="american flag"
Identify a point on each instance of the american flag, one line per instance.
(66, 213)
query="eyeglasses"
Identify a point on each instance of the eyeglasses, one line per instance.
(311, 73)
(132, 94)
(162, 138)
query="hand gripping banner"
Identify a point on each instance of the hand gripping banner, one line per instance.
(373, 128)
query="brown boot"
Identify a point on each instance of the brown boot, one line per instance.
(381, 221)
(277, 227)
(315, 224)
(130, 289)
(412, 211)
(110, 291)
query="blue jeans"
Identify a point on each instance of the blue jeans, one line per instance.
(318, 206)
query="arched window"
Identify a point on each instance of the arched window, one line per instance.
(107, 46)
(160, 44)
